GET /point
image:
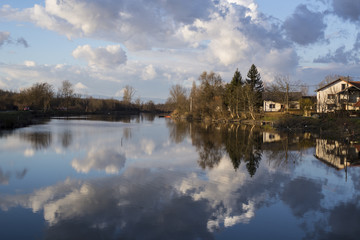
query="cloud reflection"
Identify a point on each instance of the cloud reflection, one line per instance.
(105, 159)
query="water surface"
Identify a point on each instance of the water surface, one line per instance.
(153, 178)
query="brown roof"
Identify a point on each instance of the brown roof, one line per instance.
(353, 83)
(280, 96)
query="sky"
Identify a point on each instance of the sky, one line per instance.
(101, 46)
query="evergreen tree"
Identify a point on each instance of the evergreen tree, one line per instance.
(254, 80)
(234, 94)
(237, 79)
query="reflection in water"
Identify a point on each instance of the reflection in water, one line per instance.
(127, 133)
(285, 149)
(336, 154)
(39, 140)
(242, 143)
(160, 192)
(132, 206)
(66, 138)
(105, 159)
(208, 143)
(5, 176)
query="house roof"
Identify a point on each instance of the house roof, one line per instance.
(280, 96)
(355, 84)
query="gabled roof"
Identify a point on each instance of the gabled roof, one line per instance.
(280, 96)
(355, 84)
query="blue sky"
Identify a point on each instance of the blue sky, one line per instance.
(101, 46)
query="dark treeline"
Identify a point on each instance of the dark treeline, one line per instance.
(213, 99)
(42, 97)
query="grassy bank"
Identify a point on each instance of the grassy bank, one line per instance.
(16, 119)
(329, 126)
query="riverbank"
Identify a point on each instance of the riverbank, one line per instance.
(333, 126)
(18, 119)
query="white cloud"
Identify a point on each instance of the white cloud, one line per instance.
(149, 72)
(80, 86)
(105, 57)
(29, 63)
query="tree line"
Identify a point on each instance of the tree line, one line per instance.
(241, 98)
(43, 97)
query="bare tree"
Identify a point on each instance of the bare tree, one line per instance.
(66, 93)
(38, 96)
(128, 94)
(178, 98)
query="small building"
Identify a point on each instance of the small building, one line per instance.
(341, 94)
(279, 101)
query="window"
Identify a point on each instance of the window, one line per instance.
(272, 105)
(331, 96)
(343, 86)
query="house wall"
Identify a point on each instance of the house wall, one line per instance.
(324, 104)
(268, 109)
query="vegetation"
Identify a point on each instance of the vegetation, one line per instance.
(214, 99)
(40, 100)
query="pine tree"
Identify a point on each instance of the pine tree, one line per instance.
(254, 80)
(234, 94)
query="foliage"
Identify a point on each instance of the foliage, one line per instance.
(41, 97)
(37, 97)
(254, 81)
(213, 99)
(178, 98)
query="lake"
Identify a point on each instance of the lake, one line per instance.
(145, 177)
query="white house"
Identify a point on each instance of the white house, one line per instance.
(340, 94)
(277, 101)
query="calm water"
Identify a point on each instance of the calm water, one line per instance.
(152, 178)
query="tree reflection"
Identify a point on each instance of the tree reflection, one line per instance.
(179, 130)
(39, 140)
(209, 143)
(4, 177)
(284, 149)
(241, 143)
(66, 138)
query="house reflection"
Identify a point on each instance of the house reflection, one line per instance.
(337, 154)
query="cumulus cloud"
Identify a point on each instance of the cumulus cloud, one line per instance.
(342, 55)
(105, 57)
(304, 26)
(140, 24)
(347, 9)
(149, 72)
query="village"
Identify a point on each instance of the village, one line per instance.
(340, 94)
